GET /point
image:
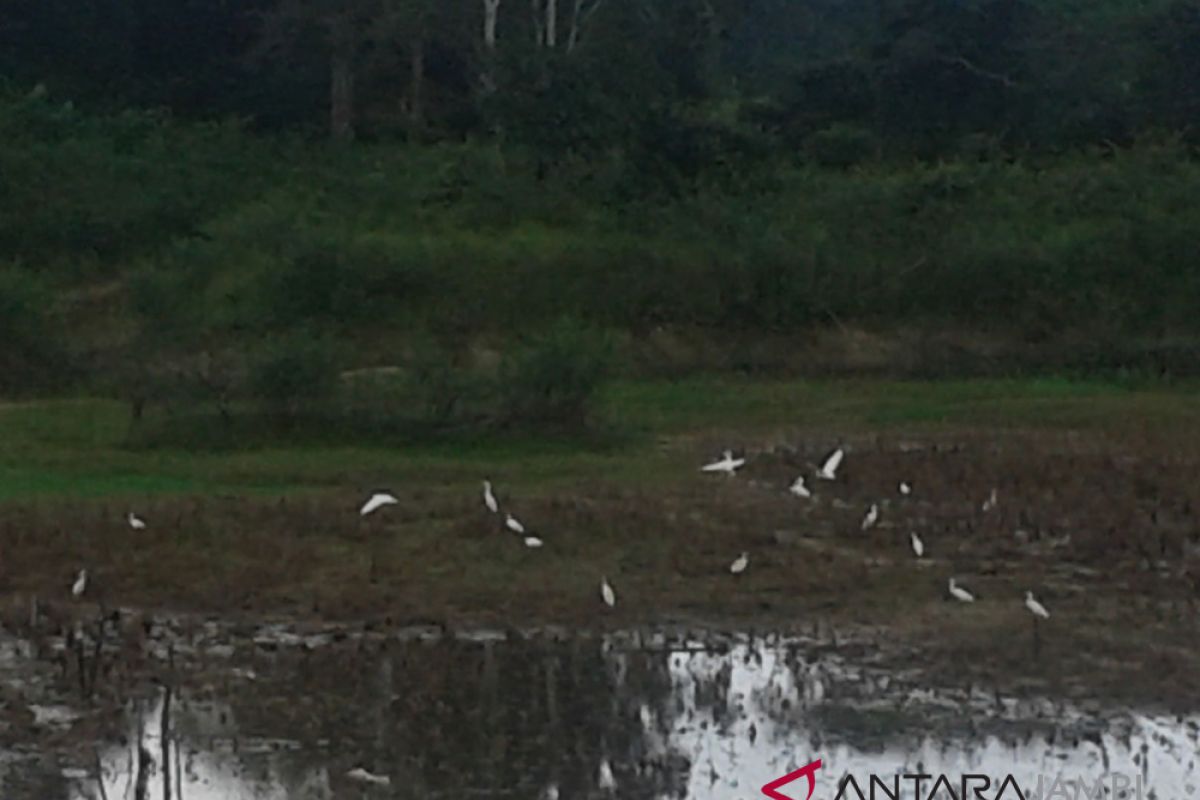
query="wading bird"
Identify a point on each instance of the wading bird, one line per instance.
(905, 489)
(80, 584)
(376, 502)
(607, 594)
(871, 518)
(799, 489)
(513, 524)
(990, 503)
(533, 541)
(362, 776)
(489, 499)
(728, 464)
(959, 593)
(1035, 608)
(606, 781)
(918, 547)
(828, 470)
(136, 522)
(740, 563)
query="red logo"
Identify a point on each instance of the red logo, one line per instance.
(808, 771)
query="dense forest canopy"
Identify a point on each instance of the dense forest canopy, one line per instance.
(697, 79)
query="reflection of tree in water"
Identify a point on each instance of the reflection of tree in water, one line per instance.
(522, 714)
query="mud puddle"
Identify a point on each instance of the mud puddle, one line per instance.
(275, 712)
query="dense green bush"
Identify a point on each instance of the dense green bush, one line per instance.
(551, 381)
(293, 374)
(31, 355)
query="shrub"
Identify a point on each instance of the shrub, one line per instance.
(294, 374)
(32, 355)
(552, 381)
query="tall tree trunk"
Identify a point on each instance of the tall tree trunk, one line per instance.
(580, 14)
(416, 107)
(539, 27)
(551, 23)
(491, 10)
(341, 94)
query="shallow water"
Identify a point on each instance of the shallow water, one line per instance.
(681, 716)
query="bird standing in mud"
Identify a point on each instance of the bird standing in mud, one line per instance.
(871, 518)
(828, 470)
(533, 542)
(489, 499)
(376, 502)
(728, 464)
(740, 563)
(990, 503)
(1035, 608)
(80, 585)
(136, 522)
(799, 489)
(905, 489)
(959, 593)
(513, 524)
(362, 776)
(606, 780)
(606, 593)
(918, 547)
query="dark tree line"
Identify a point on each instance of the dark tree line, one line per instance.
(919, 76)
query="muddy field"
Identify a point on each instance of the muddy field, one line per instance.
(1101, 528)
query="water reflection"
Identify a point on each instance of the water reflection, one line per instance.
(510, 718)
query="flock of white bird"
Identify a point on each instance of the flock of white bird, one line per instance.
(727, 465)
(827, 471)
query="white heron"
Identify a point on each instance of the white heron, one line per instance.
(740, 563)
(828, 470)
(136, 522)
(80, 584)
(606, 593)
(905, 489)
(871, 518)
(550, 792)
(362, 776)
(918, 547)
(376, 502)
(533, 541)
(959, 593)
(489, 499)
(799, 489)
(728, 464)
(606, 781)
(1035, 608)
(513, 524)
(990, 503)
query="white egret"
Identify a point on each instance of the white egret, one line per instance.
(828, 470)
(728, 464)
(606, 593)
(550, 792)
(376, 502)
(1036, 608)
(80, 583)
(533, 541)
(959, 593)
(740, 563)
(136, 522)
(905, 489)
(513, 524)
(990, 503)
(799, 489)
(607, 782)
(871, 518)
(918, 547)
(362, 776)
(489, 499)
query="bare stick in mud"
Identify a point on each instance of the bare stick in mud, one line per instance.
(166, 742)
(100, 774)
